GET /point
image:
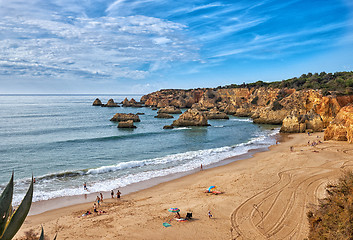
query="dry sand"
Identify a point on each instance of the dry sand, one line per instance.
(265, 197)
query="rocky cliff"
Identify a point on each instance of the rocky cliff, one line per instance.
(341, 128)
(263, 105)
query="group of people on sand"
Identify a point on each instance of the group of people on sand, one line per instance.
(99, 200)
(314, 143)
(118, 193)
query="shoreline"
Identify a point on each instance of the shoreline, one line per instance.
(282, 184)
(43, 206)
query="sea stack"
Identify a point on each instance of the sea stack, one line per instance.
(97, 102)
(126, 124)
(192, 117)
(110, 103)
(120, 117)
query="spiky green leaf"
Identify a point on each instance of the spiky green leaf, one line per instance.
(42, 234)
(19, 215)
(5, 205)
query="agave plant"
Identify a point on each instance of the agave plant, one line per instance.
(42, 235)
(10, 222)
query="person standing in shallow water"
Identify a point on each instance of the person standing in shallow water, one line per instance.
(84, 186)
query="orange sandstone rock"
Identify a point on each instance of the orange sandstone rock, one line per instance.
(341, 128)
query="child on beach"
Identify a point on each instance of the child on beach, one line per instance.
(95, 208)
(209, 214)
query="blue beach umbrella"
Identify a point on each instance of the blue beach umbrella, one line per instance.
(211, 187)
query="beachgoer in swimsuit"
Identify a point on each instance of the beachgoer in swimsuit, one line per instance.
(98, 200)
(95, 208)
(209, 214)
(118, 194)
(84, 186)
(112, 193)
(101, 197)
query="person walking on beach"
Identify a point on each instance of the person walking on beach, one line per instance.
(118, 194)
(112, 193)
(98, 200)
(95, 208)
(101, 197)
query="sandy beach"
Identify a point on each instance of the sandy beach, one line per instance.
(263, 197)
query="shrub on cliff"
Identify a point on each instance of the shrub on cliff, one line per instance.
(334, 217)
(339, 82)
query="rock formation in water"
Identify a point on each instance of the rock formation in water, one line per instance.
(192, 117)
(110, 103)
(215, 114)
(120, 117)
(126, 124)
(164, 115)
(131, 103)
(341, 128)
(97, 102)
(169, 110)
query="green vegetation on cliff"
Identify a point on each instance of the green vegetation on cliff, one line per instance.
(334, 217)
(339, 82)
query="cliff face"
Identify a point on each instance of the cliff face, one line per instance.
(264, 105)
(341, 128)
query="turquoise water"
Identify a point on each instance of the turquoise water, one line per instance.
(65, 141)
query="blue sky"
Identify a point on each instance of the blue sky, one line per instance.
(139, 46)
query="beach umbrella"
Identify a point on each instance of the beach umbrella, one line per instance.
(211, 188)
(174, 210)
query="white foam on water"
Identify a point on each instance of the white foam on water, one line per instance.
(163, 166)
(181, 128)
(241, 119)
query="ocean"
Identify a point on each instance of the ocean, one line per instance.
(64, 142)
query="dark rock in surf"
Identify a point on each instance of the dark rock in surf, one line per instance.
(110, 103)
(119, 117)
(126, 124)
(97, 102)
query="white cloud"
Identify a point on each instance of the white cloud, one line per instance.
(102, 47)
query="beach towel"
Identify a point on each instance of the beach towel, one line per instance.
(165, 224)
(181, 219)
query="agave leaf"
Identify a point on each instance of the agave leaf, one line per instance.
(5, 205)
(16, 220)
(42, 234)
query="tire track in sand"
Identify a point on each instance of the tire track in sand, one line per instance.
(279, 212)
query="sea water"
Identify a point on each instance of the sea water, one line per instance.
(64, 142)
